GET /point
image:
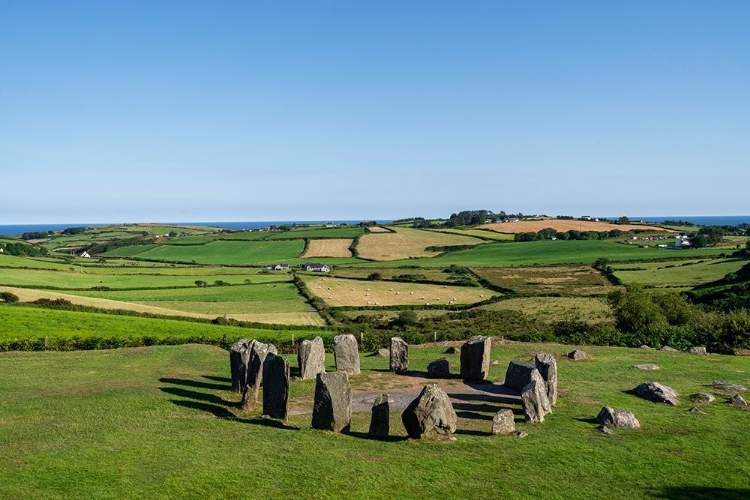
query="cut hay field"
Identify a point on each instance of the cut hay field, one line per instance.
(405, 243)
(678, 274)
(343, 292)
(480, 233)
(328, 248)
(388, 273)
(551, 309)
(562, 225)
(566, 280)
(222, 252)
(166, 425)
(378, 229)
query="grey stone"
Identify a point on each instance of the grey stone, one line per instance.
(726, 386)
(451, 350)
(475, 358)
(238, 364)
(621, 419)
(381, 353)
(381, 418)
(518, 375)
(696, 410)
(521, 434)
(738, 400)
(703, 397)
(346, 353)
(605, 430)
(311, 358)
(579, 355)
(547, 366)
(275, 386)
(440, 368)
(256, 353)
(654, 391)
(645, 367)
(494, 362)
(644, 346)
(503, 422)
(399, 355)
(697, 350)
(430, 415)
(667, 348)
(332, 407)
(534, 400)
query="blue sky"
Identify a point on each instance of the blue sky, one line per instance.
(203, 111)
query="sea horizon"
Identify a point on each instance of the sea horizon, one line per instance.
(19, 229)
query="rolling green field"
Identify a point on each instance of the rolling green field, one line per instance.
(318, 232)
(161, 422)
(678, 274)
(223, 252)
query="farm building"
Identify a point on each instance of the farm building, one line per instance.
(317, 267)
(278, 267)
(85, 255)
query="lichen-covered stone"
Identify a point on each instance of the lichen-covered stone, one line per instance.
(658, 393)
(311, 358)
(621, 419)
(697, 350)
(578, 355)
(475, 358)
(399, 355)
(738, 400)
(503, 422)
(534, 400)
(332, 407)
(346, 354)
(430, 415)
(547, 366)
(256, 356)
(381, 418)
(703, 397)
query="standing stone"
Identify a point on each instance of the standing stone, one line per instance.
(275, 386)
(532, 400)
(256, 356)
(475, 358)
(346, 353)
(622, 419)
(311, 358)
(518, 375)
(238, 364)
(654, 391)
(547, 366)
(503, 422)
(399, 355)
(440, 368)
(332, 409)
(381, 418)
(430, 415)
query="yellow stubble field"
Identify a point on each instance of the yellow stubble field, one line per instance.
(405, 243)
(328, 248)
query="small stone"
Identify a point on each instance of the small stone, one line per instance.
(494, 362)
(654, 391)
(738, 400)
(399, 355)
(726, 386)
(645, 367)
(697, 350)
(521, 434)
(381, 353)
(644, 346)
(703, 397)
(440, 368)
(667, 348)
(579, 355)
(451, 350)
(696, 410)
(621, 419)
(430, 415)
(503, 422)
(605, 430)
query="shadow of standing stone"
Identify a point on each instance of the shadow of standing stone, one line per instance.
(381, 418)
(276, 387)
(475, 358)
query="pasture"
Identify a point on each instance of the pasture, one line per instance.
(566, 280)
(161, 422)
(349, 232)
(222, 252)
(562, 225)
(550, 309)
(343, 292)
(328, 248)
(678, 274)
(405, 243)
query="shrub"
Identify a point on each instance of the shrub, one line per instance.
(8, 297)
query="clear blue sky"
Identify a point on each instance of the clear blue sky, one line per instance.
(131, 111)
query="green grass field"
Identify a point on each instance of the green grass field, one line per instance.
(222, 252)
(160, 422)
(679, 274)
(318, 232)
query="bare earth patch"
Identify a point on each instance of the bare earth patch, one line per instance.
(328, 248)
(562, 225)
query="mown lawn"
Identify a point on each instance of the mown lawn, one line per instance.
(161, 423)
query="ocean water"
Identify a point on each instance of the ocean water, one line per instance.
(701, 220)
(19, 229)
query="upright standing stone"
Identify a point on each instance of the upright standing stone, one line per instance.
(238, 364)
(399, 355)
(256, 356)
(381, 418)
(440, 368)
(475, 358)
(503, 422)
(311, 358)
(430, 415)
(332, 408)
(518, 375)
(275, 386)
(547, 366)
(532, 398)
(346, 353)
